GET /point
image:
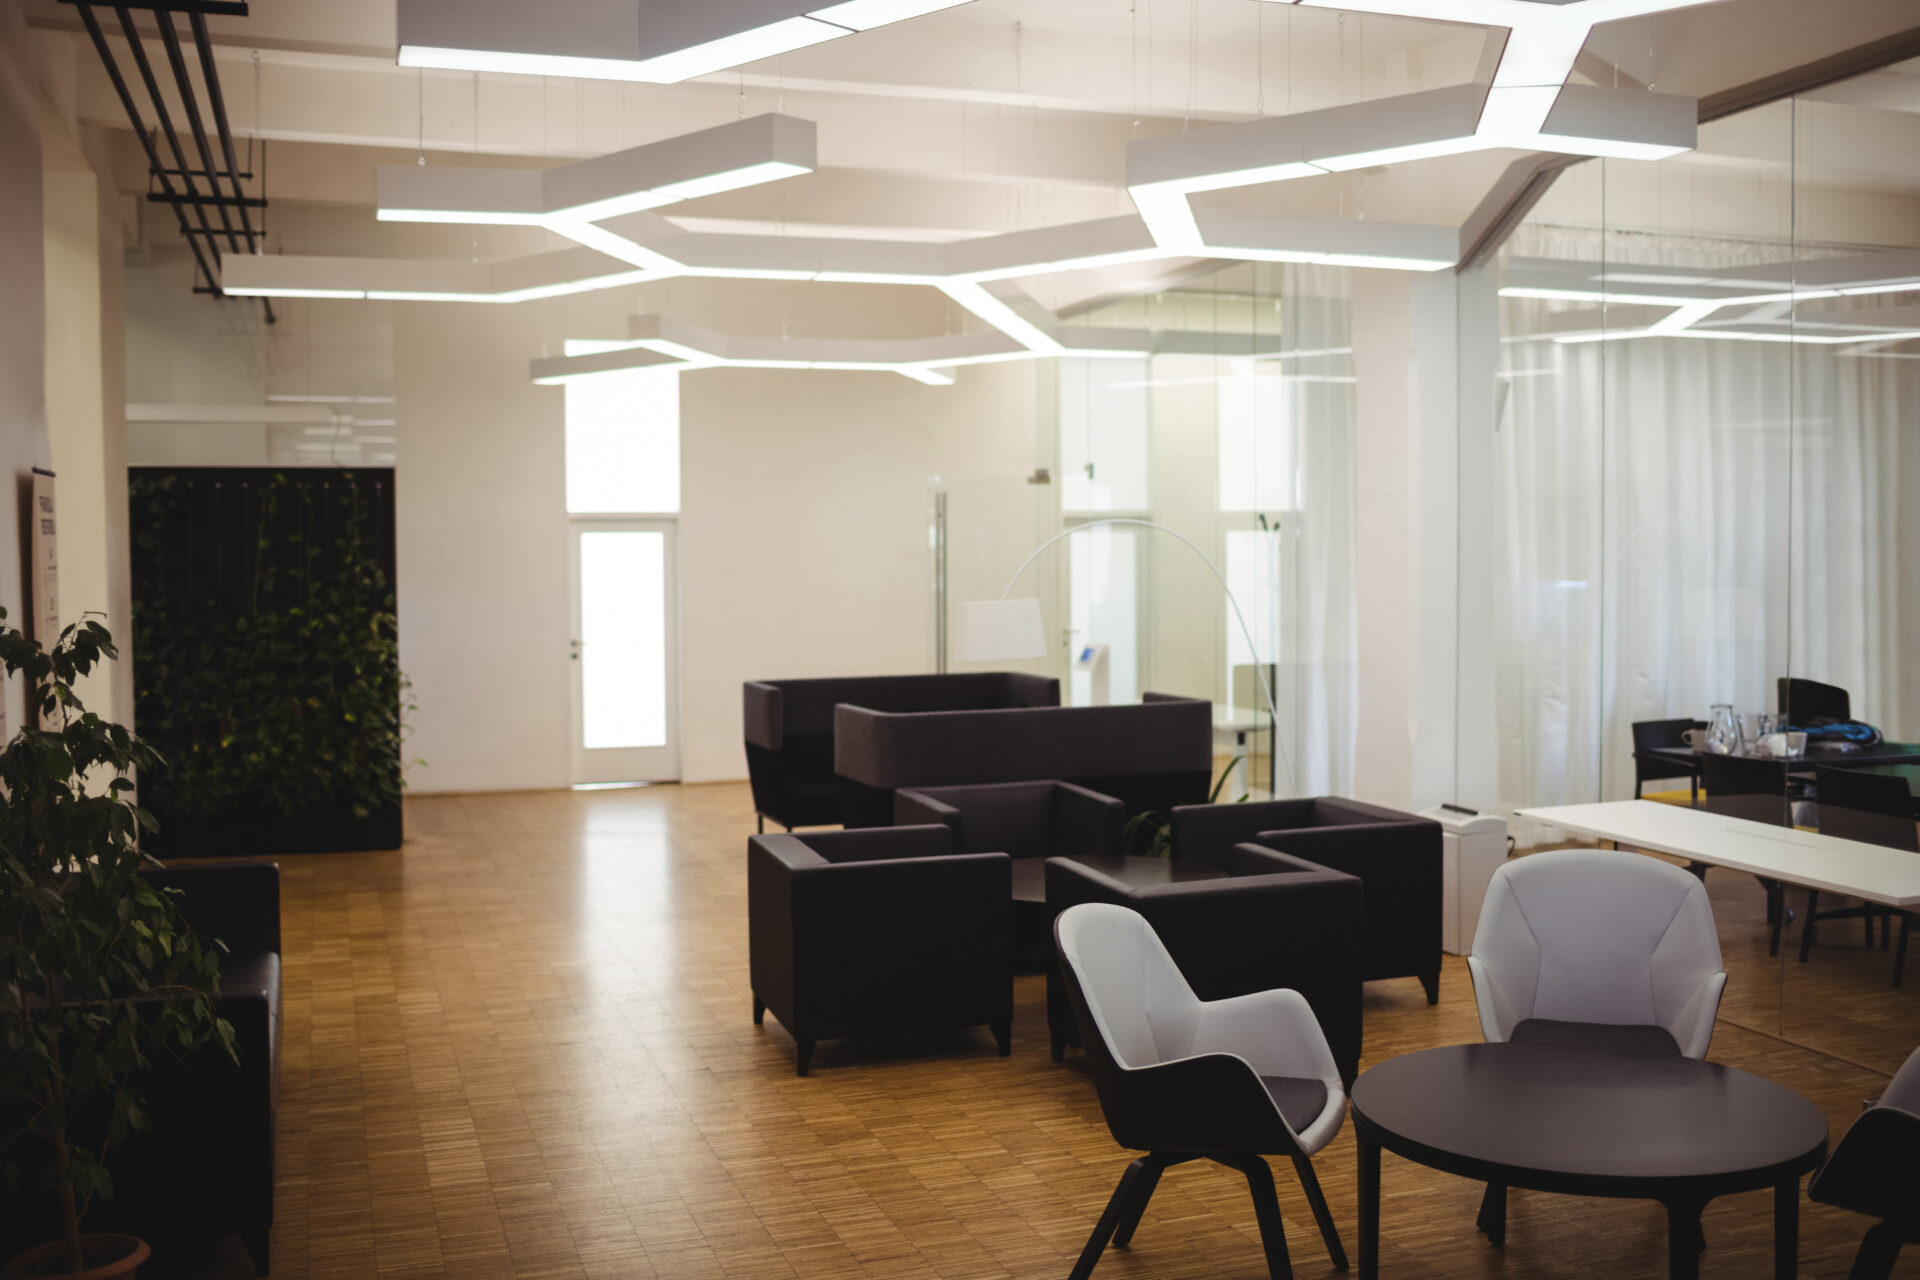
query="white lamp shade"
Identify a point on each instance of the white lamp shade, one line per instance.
(999, 631)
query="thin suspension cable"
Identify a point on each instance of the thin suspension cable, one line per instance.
(1259, 668)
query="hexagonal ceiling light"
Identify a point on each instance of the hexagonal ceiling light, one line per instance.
(651, 41)
(1528, 105)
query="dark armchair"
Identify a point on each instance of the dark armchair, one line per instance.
(1267, 920)
(1652, 735)
(1875, 1171)
(1808, 703)
(855, 933)
(1029, 822)
(1397, 856)
(789, 728)
(206, 1165)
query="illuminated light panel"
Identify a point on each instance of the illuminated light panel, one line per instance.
(864, 15)
(423, 295)
(474, 217)
(740, 153)
(438, 58)
(735, 50)
(1396, 155)
(731, 180)
(270, 291)
(975, 298)
(932, 377)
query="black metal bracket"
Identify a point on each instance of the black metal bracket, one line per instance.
(219, 8)
(232, 202)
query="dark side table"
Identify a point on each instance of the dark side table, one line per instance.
(1585, 1123)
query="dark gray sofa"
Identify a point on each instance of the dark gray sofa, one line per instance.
(1396, 855)
(1152, 755)
(789, 728)
(855, 933)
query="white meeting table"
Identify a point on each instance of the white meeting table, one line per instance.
(1890, 877)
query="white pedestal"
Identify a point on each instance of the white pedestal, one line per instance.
(1472, 847)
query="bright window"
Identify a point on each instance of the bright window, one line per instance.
(623, 443)
(623, 649)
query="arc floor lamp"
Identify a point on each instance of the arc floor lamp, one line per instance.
(1009, 629)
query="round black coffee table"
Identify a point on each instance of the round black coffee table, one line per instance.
(1586, 1123)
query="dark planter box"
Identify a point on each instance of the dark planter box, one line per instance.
(311, 831)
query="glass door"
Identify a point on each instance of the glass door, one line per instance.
(626, 681)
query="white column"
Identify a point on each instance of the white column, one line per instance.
(1423, 348)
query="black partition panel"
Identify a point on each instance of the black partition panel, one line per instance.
(265, 657)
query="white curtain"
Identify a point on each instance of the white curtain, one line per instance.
(1316, 342)
(1683, 521)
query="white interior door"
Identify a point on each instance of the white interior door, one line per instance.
(626, 661)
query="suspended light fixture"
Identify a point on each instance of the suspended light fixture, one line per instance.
(650, 41)
(740, 153)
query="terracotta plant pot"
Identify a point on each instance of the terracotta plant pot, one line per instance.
(110, 1257)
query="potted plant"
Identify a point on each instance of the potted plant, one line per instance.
(99, 975)
(1149, 833)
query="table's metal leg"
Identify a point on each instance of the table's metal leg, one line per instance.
(1786, 1230)
(1493, 1214)
(1683, 1240)
(1369, 1205)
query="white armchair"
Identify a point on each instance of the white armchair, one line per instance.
(1593, 947)
(1185, 1079)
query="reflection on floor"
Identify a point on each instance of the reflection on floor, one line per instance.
(523, 1047)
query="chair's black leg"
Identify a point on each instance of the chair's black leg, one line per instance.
(1866, 918)
(1110, 1219)
(1636, 788)
(1806, 927)
(1310, 1183)
(1431, 981)
(1900, 952)
(1786, 1229)
(803, 1055)
(1886, 929)
(759, 1011)
(1266, 1210)
(1683, 1231)
(1003, 1036)
(1878, 1252)
(1493, 1214)
(760, 823)
(1059, 1044)
(1130, 1213)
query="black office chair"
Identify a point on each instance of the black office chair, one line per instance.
(1875, 1170)
(1756, 790)
(1808, 702)
(1183, 1079)
(1873, 808)
(1651, 734)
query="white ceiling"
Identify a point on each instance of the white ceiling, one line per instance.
(1003, 114)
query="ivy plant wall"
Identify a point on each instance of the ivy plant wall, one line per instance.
(266, 657)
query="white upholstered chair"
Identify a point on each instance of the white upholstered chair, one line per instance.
(1184, 1079)
(1593, 947)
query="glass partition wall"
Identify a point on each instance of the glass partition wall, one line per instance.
(1706, 414)
(1235, 440)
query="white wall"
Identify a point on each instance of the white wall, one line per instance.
(84, 362)
(23, 425)
(803, 535)
(481, 581)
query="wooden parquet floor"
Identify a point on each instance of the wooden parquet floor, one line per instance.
(522, 1046)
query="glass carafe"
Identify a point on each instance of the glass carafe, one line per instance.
(1723, 731)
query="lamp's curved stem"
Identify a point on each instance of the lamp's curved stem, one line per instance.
(1253, 650)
